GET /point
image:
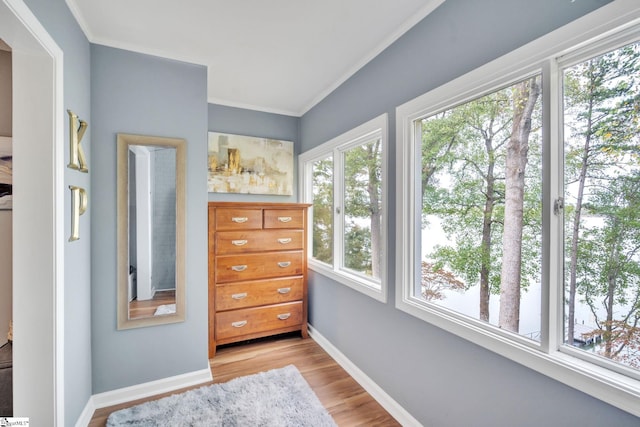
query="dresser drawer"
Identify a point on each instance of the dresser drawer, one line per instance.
(283, 218)
(236, 295)
(247, 321)
(235, 242)
(238, 219)
(258, 266)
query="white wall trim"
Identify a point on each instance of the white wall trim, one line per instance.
(364, 133)
(429, 7)
(412, 20)
(151, 388)
(387, 402)
(87, 413)
(79, 17)
(38, 298)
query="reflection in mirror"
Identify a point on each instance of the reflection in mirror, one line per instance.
(151, 230)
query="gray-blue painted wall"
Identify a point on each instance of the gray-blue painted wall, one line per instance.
(55, 17)
(142, 94)
(442, 380)
(239, 121)
(439, 378)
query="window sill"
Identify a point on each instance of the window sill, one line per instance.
(369, 288)
(611, 387)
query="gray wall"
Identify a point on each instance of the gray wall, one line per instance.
(239, 121)
(141, 94)
(56, 18)
(439, 378)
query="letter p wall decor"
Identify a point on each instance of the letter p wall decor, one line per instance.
(79, 203)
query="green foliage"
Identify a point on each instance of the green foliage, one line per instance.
(363, 204)
(362, 175)
(357, 249)
(601, 156)
(322, 249)
(361, 213)
(463, 155)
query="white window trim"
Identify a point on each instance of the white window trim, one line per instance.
(548, 357)
(377, 127)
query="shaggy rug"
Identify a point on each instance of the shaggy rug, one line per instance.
(280, 397)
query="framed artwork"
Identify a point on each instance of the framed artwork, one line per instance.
(6, 174)
(249, 165)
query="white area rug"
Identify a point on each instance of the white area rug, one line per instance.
(165, 309)
(280, 397)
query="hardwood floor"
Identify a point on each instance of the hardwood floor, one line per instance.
(347, 402)
(147, 308)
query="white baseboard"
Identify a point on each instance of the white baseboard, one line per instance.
(87, 414)
(394, 408)
(114, 397)
(127, 394)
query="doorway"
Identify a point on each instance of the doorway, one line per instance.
(38, 227)
(6, 231)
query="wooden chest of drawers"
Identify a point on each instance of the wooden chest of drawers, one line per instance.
(257, 270)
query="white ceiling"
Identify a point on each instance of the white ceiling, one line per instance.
(280, 56)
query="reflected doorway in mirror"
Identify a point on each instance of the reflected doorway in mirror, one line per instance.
(151, 230)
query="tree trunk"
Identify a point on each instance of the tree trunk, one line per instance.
(485, 246)
(573, 263)
(612, 280)
(373, 188)
(525, 95)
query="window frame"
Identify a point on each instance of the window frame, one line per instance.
(336, 147)
(597, 30)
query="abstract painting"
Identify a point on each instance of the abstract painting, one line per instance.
(249, 165)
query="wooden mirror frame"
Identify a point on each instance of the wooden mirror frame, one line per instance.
(123, 143)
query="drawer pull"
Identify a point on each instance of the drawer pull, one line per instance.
(239, 296)
(239, 219)
(285, 240)
(284, 316)
(239, 324)
(239, 242)
(284, 290)
(238, 267)
(284, 264)
(284, 218)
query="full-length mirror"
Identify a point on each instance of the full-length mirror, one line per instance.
(151, 230)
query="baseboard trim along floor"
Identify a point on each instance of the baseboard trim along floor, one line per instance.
(140, 391)
(386, 401)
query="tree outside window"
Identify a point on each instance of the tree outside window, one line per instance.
(344, 180)
(481, 207)
(602, 199)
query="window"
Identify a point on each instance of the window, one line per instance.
(344, 181)
(518, 194)
(601, 117)
(480, 223)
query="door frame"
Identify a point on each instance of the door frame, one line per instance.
(38, 211)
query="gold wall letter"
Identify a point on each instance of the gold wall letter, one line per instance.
(79, 202)
(77, 128)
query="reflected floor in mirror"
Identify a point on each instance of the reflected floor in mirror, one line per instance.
(148, 308)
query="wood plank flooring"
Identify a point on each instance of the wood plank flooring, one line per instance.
(347, 402)
(147, 308)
